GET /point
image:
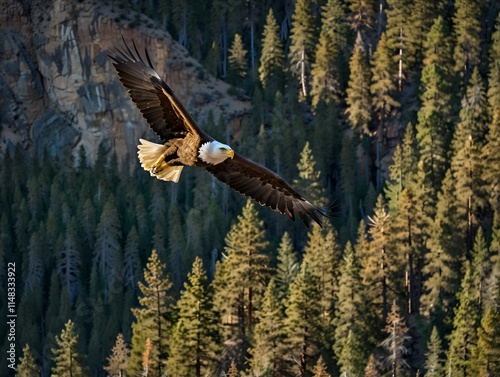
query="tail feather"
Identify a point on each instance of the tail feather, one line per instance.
(149, 153)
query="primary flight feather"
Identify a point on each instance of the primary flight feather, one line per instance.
(185, 144)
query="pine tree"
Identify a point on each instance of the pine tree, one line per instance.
(303, 310)
(488, 346)
(395, 343)
(403, 170)
(362, 17)
(287, 268)
(493, 283)
(107, 245)
(421, 16)
(383, 88)
(322, 256)
(176, 244)
(491, 150)
(247, 265)
(233, 370)
(33, 277)
(330, 64)
(465, 164)
(195, 341)
(152, 318)
(238, 66)
(272, 57)
(467, 30)
(326, 143)
(349, 181)
(67, 360)
(302, 40)
(463, 338)
(434, 126)
(371, 369)
(309, 183)
(320, 369)
(446, 254)
(268, 349)
(434, 362)
(408, 247)
(131, 261)
(358, 89)
(194, 245)
(68, 263)
(351, 317)
(397, 30)
(481, 267)
(374, 271)
(118, 360)
(27, 365)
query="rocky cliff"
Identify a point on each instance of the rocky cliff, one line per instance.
(58, 87)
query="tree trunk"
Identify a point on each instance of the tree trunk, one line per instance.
(303, 355)
(303, 73)
(250, 308)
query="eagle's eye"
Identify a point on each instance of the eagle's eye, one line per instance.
(222, 149)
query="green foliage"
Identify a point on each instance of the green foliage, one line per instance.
(302, 41)
(247, 265)
(309, 183)
(467, 29)
(238, 66)
(287, 268)
(80, 229)
(320, 369)
(330, 64)
(303, 319)
(118, 360)
(67, 360)
(466, 162)
(463, 339)
(27, 366)
(488, 346)
(152, 318)
(268, 350)
(351, 319)
(374, 271)
(383, 88)
(434, 361)
(195, 341)
(397, 340)
(358, 89)
(273, 57)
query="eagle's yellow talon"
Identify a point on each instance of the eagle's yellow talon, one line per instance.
(159, 165)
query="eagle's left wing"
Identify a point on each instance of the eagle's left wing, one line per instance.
(157, 102)
(267, 188)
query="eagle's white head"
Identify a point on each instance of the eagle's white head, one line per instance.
(214, 152)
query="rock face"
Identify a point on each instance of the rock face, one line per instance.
(59, 88)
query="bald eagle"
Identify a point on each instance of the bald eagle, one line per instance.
(185, 144)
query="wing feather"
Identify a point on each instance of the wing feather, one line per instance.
(163, 111)
(267, 188)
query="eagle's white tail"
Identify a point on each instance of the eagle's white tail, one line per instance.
(149, 156)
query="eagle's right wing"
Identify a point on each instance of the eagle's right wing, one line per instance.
(268, 189)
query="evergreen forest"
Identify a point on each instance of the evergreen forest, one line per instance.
(391, 108)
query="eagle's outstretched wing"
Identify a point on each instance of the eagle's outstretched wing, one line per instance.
(157, 102)
(268, 189)
(170, 120)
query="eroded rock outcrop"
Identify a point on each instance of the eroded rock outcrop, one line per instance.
(58, 87)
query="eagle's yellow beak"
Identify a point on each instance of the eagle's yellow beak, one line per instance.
(230, 153)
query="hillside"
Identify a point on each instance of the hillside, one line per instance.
(389, 108)
(59, 88)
